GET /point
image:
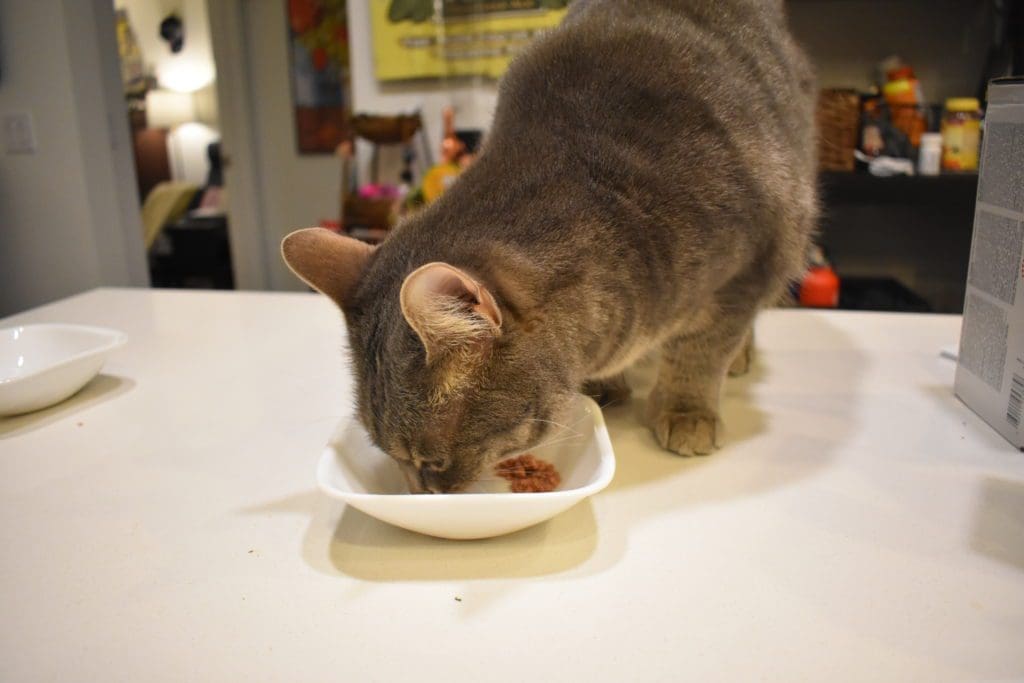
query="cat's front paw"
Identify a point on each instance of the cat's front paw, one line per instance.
(691, 433)
(743, 359)
(741, 362)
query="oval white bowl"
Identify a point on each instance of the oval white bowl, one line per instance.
(44, 364)
(354, 470)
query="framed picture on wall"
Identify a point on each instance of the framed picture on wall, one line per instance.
(320, 74)
(441, 38)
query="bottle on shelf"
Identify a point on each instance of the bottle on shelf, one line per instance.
(961, 134)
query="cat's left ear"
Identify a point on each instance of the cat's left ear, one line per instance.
(329, 263)
(448, 308)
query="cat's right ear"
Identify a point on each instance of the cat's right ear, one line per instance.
(449, 309)
(326, 261)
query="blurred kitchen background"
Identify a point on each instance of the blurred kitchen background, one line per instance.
(173, 143)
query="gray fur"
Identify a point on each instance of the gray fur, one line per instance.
(648, 182)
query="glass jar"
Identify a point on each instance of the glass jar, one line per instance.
(961, 134)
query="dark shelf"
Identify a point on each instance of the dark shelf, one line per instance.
(855, 187)
(915, 230)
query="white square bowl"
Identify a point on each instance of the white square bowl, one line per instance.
(44, 364)
(354, 470)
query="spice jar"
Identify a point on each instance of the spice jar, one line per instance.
(961, 133)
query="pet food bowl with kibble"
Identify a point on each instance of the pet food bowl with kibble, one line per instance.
(354, 470)
(44, 364)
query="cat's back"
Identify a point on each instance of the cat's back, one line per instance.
(749, 38)
(643, 155)
(642, 67)
(681, 108)
(733, 58)
(675, 134)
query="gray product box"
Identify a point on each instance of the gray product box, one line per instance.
(990, 369)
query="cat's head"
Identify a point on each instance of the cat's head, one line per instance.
(447, 383)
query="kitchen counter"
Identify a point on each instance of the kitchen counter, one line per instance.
(859, 522)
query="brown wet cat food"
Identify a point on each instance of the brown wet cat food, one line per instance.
(528, 474)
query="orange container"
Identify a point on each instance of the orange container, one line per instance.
(820, 288)
(904, 99)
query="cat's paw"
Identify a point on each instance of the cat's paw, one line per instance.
(743, 359)
(741, 362)
(686, 433)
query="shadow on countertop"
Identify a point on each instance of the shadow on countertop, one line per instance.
(101, 388)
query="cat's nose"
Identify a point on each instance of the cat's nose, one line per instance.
(422, 481)
(431, 481)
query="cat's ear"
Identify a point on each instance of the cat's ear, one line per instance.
(327, 262)
(448, 308)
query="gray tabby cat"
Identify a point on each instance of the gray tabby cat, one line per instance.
(648, 183)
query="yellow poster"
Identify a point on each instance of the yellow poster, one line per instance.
(469, 38)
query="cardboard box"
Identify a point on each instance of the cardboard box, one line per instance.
(990, 368)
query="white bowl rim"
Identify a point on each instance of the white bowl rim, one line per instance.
(114, 339)
(606, 472)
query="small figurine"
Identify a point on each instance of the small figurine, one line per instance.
(454, 158)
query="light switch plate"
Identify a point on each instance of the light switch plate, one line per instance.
(19, 136)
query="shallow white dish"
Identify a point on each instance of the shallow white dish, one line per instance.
(354, 470)
(44, 364)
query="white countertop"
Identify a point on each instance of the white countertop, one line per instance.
(858, 524)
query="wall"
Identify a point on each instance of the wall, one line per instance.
(295, 191)
(473, 99)
(299, 190)
(191, 71)
(192, 68)
(944, 40)
(68, 214)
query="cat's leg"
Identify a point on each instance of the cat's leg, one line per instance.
(744, 357)
(682, 409)
(609, 390)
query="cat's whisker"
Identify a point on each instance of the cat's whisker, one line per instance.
(560, 436)
(550, 422)
(563, 431)
(580, 419)
(568, 426)
(559, 442)
(556, 440)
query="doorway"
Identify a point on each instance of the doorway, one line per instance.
(169, 81)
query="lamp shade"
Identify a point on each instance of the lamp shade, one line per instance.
(167, 108)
